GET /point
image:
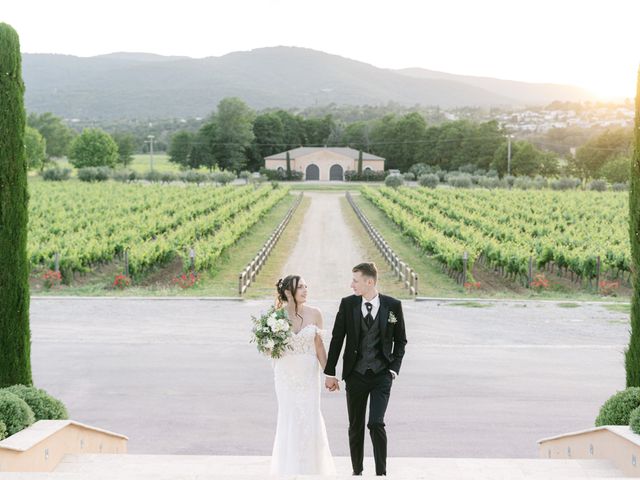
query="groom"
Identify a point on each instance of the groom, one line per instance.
(374, 327)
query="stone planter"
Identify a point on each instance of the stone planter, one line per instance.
(40, 447)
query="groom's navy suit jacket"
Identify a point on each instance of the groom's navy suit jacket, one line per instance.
(347, 324)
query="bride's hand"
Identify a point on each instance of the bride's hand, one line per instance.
(332, 384)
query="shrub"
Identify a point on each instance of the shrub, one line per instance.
(124, 175)
(408, 177)
(244, 175)
(56, 174)
(459, 180)
(14, 412)
(442, 175)
(51, 278)
(394, 181)
(598, 186)
(281, 174)
(43, 405)
(225, 177)
(429, 180)
(490, 182)
(3, 430)
(509, 180)
(620, 187)
(523, 183)
(152, 176)
(167, 177)
(565, 183)
(467, 168)
(492, 173)
(365, 176)
(540, 182)
(419, 169)
(617, 409)
(121, 282)
(193, 176)
(94, 174)
(634, 420)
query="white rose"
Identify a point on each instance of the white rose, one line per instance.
(269, 344)
(272, 323)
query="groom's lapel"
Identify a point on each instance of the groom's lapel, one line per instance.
(355, 314)
(383, 314)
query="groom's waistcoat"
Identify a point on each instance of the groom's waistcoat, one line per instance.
(370, 349)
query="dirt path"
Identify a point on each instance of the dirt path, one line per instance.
(326, 249)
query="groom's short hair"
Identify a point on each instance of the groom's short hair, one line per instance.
(368, 269)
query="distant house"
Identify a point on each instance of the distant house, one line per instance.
(328, 163)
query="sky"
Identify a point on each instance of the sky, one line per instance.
(590, 43)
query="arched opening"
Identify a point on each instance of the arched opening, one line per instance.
(312, 172)
(336, 172)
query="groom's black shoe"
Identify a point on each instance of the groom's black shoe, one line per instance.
(356, 474)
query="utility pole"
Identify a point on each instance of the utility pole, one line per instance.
(150, 142)
(509, 137)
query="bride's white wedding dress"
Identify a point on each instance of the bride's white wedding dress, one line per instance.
(301, 446)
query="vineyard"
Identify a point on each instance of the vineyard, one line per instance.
(582, 235)
(91, 224)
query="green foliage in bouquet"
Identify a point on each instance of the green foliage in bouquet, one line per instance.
(272, 332)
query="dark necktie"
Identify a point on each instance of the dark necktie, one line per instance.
(368, 319)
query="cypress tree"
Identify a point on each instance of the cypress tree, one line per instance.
(15, 343)
(360, 162)
(288, 166)
(632, 360)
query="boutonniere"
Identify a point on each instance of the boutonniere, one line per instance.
(392, 318)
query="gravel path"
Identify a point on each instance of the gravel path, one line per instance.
(179, 375)
(326, 250)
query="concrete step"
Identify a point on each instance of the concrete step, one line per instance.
(203, 467)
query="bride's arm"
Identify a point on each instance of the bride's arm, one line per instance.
(321, 353)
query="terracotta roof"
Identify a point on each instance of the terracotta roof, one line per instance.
(301, 151)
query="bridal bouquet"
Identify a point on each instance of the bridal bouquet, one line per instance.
(271, 332)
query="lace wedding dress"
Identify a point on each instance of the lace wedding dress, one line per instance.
(301, 446)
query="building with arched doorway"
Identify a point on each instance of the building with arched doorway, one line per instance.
(328, 163)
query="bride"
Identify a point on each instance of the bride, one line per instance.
(301, 446)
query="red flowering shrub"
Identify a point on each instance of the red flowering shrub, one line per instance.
(51, 278)
(608, 288)
(186, 280)
(121, 282)
(540, 282)
(471, 285)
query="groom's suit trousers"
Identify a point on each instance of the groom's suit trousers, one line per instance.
(360, 388)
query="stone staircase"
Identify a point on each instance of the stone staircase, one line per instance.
(202, 467)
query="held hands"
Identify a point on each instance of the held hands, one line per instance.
(332, 384)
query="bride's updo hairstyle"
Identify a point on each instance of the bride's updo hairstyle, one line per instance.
(290, 284)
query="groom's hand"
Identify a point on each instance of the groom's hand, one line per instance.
(332, 384)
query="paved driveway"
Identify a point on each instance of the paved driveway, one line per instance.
(179, 375)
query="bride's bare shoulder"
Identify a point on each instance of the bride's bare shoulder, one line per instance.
(316, 313)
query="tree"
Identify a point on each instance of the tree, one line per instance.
(632, 355)
(126, 146)
(93, 148)
(525, 159)
(616, 170)
(35, 148)
(594, 154)
(233, 133)
(269, 139)
(54, 131)
(180, 148)
(15, 339)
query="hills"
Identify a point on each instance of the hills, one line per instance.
(142, 85)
